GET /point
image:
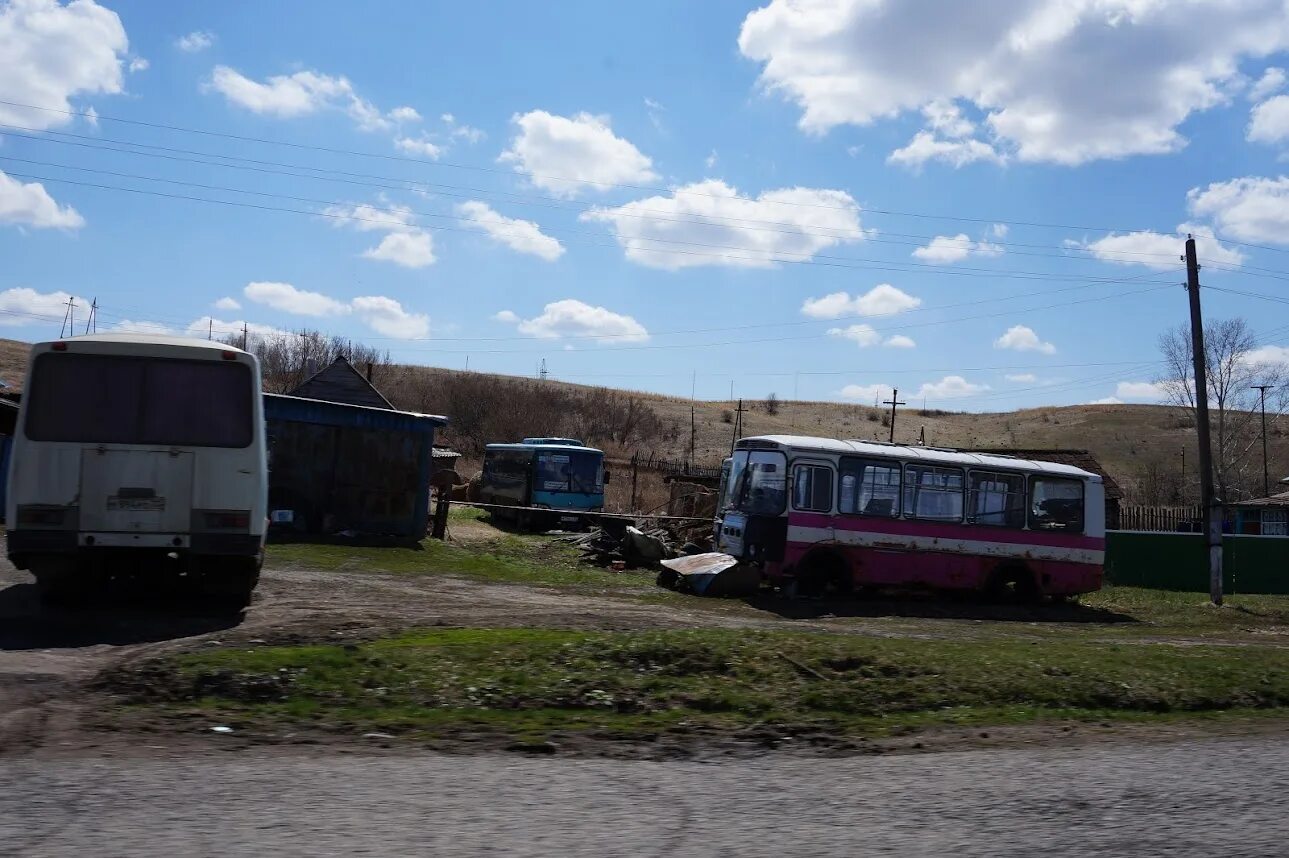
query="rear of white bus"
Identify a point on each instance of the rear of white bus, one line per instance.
(140, 457)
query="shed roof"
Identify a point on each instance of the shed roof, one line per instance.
(340, 382)
(1281, 499)
(1082, 459)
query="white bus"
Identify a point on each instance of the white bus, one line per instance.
(138, 456)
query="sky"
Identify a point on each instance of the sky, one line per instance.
(983, 206)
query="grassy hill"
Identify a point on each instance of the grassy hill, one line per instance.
(1139, 445)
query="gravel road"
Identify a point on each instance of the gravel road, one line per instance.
(1199, 798)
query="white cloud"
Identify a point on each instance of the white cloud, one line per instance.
(405, 114)
(999, 230)
(1269, 121)
(408, 249)
(569, 155)
(24, 306)
(195, 42)
(693, 226)
(1271, 82)
(865, 392)
(1107, 400)
(301, 94)
(404, 244)
(91, 117)
(1251, 209)
(50, 52)
(899, 341)
(1141, 390)
(950, 387)
(29, 204)
(227, 304)
(862, 334)
(129, 326)
(1023, 377)
(387, 316)
(1158, 251)
(1268, 355)
(203, 327)
(1022, 339)
(925, 146)
(522, 236)
(710, 161)
(462, 132)
(573, 318)
(1142, 68)
(288, 299)
(138, 64)
(507, 316)
(944, 249)
(882, 300)
(422, 146)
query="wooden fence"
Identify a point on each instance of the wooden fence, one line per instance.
(1171, 519)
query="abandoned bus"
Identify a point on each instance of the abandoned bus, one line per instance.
(138, 455)
(818, 514)
(558, 474)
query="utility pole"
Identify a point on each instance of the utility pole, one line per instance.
(92, 322)
(1211, 504)
(69, 320)
(894, 401)
(738, 426)
(1266, 479)
(210, 328)
(246, 335)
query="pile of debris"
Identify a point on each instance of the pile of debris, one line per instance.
(620, 545)
(691, 568)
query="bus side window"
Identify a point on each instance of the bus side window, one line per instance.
(812, 488)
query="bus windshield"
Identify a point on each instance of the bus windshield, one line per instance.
(578, 472)
(761, 487)
(111, 399)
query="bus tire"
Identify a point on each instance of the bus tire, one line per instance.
(1014, 582)
(230, 581)
(824, 573)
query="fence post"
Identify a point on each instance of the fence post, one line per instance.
(635, 472)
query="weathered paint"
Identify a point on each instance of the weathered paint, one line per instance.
(346, 467)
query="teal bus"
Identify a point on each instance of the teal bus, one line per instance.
(561, 475)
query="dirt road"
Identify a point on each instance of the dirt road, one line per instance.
(1189, 799)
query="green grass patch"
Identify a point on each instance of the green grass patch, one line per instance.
(532, 683)
(503, 558)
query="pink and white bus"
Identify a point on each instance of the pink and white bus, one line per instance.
(817, 514)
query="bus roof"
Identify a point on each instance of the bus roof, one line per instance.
(930, 455)
(528, 447)
(147, 339)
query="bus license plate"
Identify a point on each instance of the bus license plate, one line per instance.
(570, 518)
(120, 504)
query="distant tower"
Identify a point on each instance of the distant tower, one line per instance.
(541, 373)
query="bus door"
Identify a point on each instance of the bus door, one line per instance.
(813, 483)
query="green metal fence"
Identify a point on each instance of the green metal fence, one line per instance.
(1179, 561)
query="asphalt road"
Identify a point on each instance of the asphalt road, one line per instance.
(1219, 798)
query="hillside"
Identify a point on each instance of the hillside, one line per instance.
(1140, 445)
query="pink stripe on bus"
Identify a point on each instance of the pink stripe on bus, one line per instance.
(943, 530)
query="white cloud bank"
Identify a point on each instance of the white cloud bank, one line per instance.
(29, 204)
(944, 249)
(1022, 339)
(383, 315)
(882, 300)
(521, 236)
(570, 155)
(573, 318)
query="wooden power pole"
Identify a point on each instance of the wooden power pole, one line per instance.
(1210, 502)
(894, 401)
(1266, 474)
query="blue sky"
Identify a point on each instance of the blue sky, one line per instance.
(979, 206)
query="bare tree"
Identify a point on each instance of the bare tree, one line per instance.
(772, 404)
(287, 360)
(1233, 364)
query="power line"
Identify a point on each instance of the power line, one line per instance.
(626, 186)
(651, 215)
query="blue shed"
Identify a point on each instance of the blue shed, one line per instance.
(336, 467)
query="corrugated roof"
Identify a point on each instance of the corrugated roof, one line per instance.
(1281, 499)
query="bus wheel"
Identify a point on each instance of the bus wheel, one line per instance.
(1014, 583)
(822, 575)
(230, 581)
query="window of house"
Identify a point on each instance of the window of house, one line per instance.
(1274, 522)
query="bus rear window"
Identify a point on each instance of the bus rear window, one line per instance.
(109, 399)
